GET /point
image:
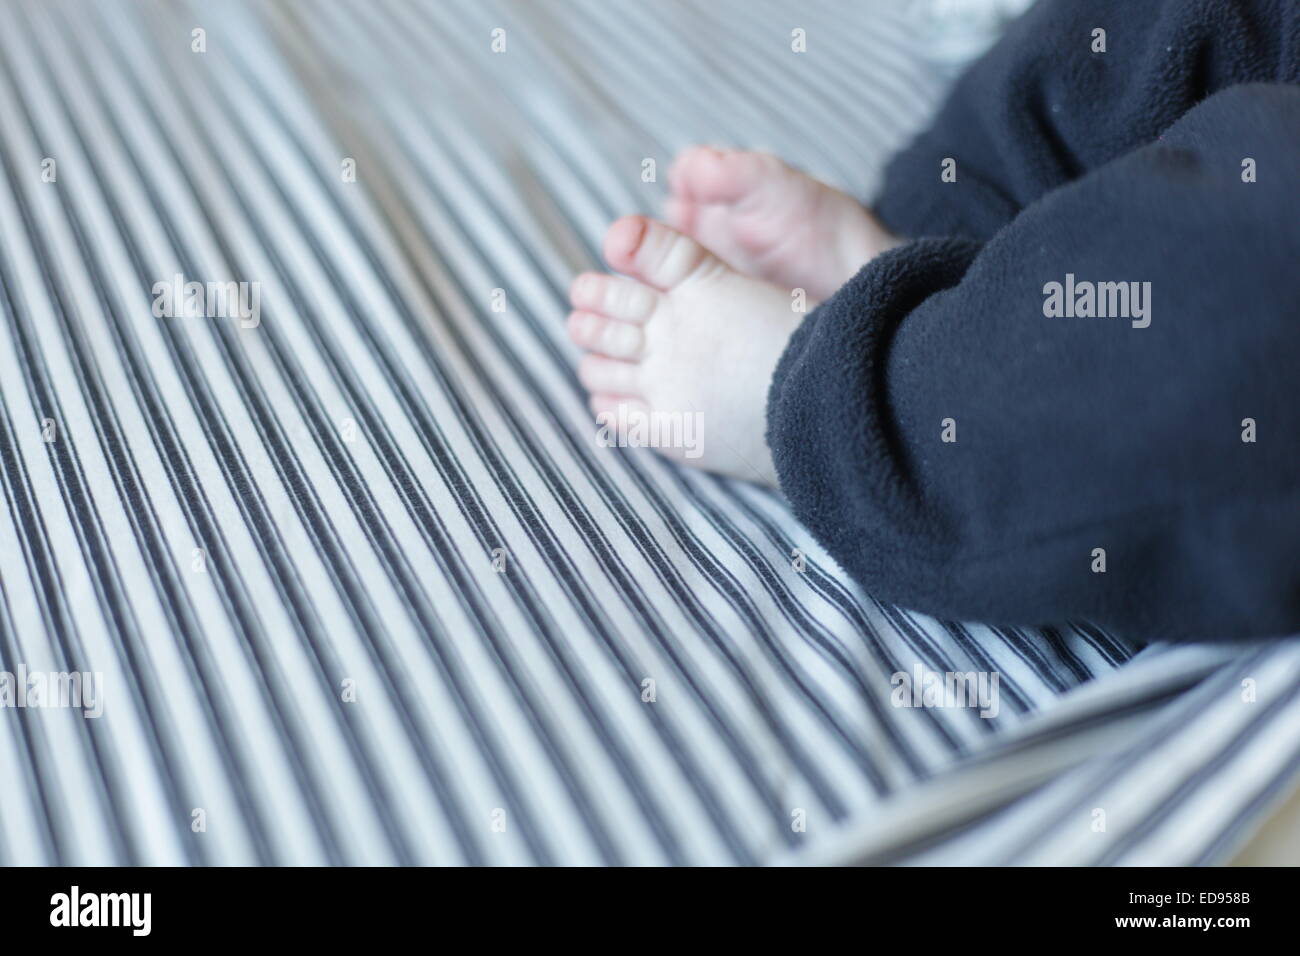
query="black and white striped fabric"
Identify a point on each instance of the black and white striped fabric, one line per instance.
(360, 583)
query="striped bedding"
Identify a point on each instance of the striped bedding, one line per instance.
(359, 583)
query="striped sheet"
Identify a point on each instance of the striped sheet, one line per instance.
(361, 584)
(1184, 785)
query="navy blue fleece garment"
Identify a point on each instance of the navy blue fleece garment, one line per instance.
(1075, 434)
(1042, 108)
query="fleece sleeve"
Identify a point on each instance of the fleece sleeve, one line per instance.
(961, 452)
(1048, 104)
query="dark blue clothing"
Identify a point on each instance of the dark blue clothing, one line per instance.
(962, 452)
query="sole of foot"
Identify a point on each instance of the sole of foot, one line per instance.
(768, 219)
(680, 348)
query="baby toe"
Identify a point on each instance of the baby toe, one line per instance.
(714, 176)
(599, 333)
(614, 296)
(608, 376)
(656, 254)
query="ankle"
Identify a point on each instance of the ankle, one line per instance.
(862, 240)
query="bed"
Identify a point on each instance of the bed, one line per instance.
(358, 582)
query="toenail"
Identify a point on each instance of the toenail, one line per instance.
(637, 235)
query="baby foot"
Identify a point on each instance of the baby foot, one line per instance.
(680, 355)
(769, 220)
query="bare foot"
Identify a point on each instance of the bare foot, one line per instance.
(680, 355)
(767, 219)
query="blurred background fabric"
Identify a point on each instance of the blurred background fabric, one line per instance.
(363, 587)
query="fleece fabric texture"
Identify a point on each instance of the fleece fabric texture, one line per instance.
(962, 453)
(1046, 105)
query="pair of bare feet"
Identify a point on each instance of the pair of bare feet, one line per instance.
(695, 325)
